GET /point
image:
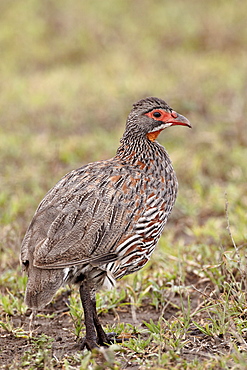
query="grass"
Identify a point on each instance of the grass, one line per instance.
(69, 74)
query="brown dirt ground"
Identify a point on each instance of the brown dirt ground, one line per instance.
(60, 327)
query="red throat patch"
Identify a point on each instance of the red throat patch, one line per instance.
(153, 135)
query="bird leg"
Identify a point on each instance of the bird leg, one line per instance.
(95, 334)
(90, 341)
(104, 339)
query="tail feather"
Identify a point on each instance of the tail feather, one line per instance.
(41, 286)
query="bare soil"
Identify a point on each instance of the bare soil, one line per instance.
(60, 328)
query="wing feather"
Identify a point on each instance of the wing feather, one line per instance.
(75, 224)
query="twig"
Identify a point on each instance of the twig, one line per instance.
(31, 318)
(208, 298)
(229, 229)
(133, 310)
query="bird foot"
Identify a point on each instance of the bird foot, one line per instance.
(88, 343)
(114, 338)
(91, 344)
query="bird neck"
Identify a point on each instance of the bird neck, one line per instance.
(140, 151)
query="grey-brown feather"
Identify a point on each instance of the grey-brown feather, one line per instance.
(104, 219)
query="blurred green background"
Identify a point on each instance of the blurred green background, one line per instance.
(70, 71)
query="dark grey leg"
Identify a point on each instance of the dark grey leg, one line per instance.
(102, 336)
(90, 341)
(95, 335)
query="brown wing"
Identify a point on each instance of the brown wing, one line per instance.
(82, 218)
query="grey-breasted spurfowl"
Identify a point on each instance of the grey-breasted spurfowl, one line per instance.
(103, 220)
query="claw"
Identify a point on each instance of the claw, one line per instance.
(114, 338)
(88, 344)
(110, 339)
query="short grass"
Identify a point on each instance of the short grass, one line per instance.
(69, 74)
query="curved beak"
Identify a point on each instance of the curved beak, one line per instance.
(177, 119)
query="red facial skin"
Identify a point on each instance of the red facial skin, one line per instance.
(167, 117)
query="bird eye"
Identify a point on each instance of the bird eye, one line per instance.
(157, 114)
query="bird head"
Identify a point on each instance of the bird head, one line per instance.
(150, 116)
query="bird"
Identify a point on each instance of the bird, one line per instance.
(103, 220)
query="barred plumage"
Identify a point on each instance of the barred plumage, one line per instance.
(103, 220)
